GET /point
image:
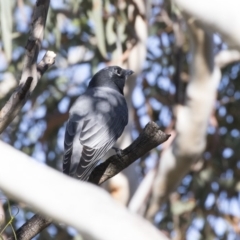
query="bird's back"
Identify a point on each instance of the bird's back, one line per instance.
(97, 119)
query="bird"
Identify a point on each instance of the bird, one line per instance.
(96, 120)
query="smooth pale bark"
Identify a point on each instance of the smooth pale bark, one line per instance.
(219, 16)
(191, 119)
(225, 57)
(138, 202)
(86, 207)
(150, 137)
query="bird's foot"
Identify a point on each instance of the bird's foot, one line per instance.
(118, 151)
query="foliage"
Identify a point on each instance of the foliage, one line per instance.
(86, 35)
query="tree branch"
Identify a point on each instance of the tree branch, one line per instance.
(138, 202)
(84, 206)
(225, 57)
(150, 138)
(47, 61)
(29, 76)
(202, 11)
(191, 119)
(32, 227)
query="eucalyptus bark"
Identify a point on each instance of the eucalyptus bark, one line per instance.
(150, 138)
(210, 15)
(191, 119)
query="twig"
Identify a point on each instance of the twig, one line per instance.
(150, 137)
(29, 76)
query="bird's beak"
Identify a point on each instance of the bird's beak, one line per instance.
(128, 72)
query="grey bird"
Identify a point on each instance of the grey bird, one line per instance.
(97, 119)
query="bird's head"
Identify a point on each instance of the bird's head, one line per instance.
(112, 77)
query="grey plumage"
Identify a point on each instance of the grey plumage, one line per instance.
(97, 119)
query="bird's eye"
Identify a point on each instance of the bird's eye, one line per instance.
(118, 71)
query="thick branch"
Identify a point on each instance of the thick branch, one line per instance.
(210, 14)
(69, 201)
(150, 138)
(29, 76)
(191, 119)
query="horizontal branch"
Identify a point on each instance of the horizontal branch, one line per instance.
(150, 137)
(70, 201)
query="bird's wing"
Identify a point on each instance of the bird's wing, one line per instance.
(100, 131)
(72, 146)
(94, 125)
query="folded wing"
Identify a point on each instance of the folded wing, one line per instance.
(94, 133)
